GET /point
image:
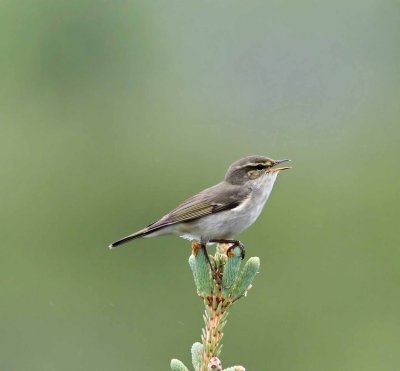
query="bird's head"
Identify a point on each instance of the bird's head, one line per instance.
(254, 171)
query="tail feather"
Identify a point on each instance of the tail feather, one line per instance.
(133, 236)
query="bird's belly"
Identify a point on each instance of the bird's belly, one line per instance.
(208, 228)
(223, 225)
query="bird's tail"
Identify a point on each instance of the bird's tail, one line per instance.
(141, 233)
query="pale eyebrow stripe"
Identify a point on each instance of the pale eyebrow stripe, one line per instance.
(253, 164)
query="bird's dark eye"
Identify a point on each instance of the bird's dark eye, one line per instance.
(260, 167)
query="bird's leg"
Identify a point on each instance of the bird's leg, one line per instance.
(214, 270)
(204, 248)
(233, 243)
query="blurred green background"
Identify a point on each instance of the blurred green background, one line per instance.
(112, 112)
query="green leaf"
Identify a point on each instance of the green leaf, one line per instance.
(201, 273)
(246, 277)
(197, 352)
(231, 271)
(177, 365)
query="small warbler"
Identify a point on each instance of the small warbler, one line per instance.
(218, 213)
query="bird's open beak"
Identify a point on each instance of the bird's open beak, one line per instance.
(276, 169)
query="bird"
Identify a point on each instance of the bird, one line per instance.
(217, 214)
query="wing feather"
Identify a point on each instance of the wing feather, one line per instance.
(210, 201)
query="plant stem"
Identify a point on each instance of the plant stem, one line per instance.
(215, 316)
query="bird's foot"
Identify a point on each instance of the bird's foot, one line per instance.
(234, 243)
